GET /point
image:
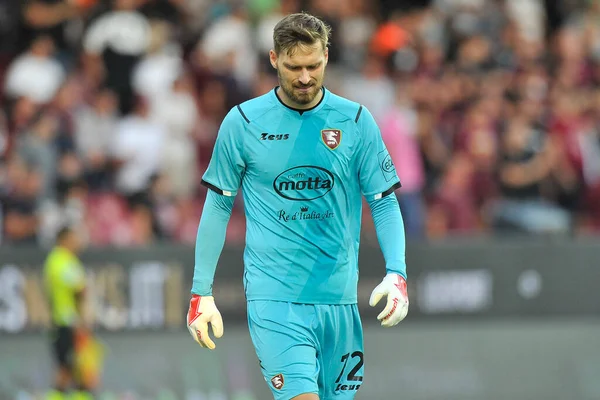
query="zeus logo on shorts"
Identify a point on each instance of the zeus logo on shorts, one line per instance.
(356, 363)
(347, 387)
(278, 381)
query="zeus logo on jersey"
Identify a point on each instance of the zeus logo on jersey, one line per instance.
(305, 183)
(266, 136)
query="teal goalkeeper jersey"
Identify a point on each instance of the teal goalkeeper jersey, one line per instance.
(302, 175)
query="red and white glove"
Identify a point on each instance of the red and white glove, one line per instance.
(202, 311)
(394, 287)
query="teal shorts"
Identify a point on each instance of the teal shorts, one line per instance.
(306, 348)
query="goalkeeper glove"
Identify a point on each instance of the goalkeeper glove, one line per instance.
(394, 287)
(202, 311)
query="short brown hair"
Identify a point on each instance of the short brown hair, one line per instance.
(300, 29)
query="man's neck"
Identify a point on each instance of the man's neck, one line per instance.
(288, 102)
(63, 247)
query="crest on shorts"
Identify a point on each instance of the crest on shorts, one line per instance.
(277, 381)
(331, 137)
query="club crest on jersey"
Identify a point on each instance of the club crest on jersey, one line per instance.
(278, 381)
(331, 137)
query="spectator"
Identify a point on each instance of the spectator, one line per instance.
(20, 205)
(116, 41)
(22, 113)
(69, 209)
(137, 150)
(529, 16)
(435, 149)
(164, 207)
(35, 74)
(372, 79)
(525, 165)
(357, 25)
(212, 99)
(63, 107)
(53, 18)
(95, 127)
(177, 111)
(141, 223)
(154, 76)
(35, 147)
(477, 138)
(399, 131)
(70, 171)
(227, 46)
(453, 202)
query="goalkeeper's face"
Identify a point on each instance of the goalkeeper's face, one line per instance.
(301, 72)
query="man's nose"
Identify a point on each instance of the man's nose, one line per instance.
(305, 77)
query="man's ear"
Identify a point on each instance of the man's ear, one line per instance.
(326, 55)
(273, 58)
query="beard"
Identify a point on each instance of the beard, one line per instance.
(294, 94)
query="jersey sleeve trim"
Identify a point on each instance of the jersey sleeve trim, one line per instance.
(391, 190)
(216, 189)
(358, 114)
(242, 113)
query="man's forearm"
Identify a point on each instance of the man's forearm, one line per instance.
(42, 15)
(390, 233)
(80, 306)
(210, 240)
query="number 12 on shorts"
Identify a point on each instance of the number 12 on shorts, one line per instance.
(357, 360)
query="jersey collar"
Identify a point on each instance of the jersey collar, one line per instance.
(307, 111)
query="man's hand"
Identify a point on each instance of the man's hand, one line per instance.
(202, 311)
(394, 287)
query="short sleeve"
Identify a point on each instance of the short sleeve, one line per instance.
(73, 276)
(123, 147)
(95, 37)
(227, 165)
(376, 172)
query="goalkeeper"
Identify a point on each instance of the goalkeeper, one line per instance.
(303, 157)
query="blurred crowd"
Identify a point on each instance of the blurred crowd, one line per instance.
(110, 109)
